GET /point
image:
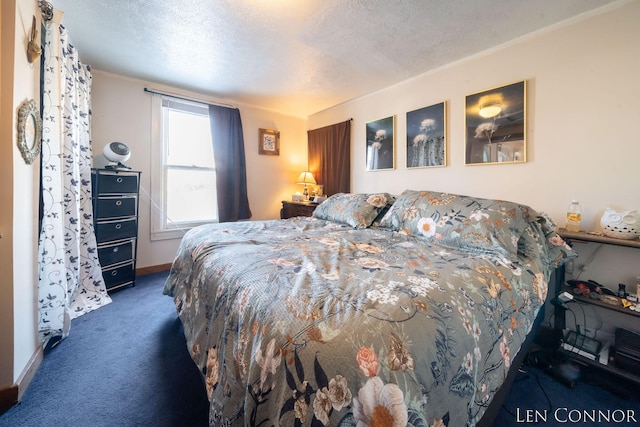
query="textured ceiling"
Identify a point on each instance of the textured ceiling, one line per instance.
(296, 56)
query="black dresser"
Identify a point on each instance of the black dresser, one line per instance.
(115, 195)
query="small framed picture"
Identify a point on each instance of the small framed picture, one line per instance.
(426, 140)
(269, 142)
(380, 144)
(495, 126)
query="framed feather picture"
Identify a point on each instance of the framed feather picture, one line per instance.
(426, 137)
(495, 125)
(380, 144)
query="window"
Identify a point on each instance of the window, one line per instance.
(183, 169)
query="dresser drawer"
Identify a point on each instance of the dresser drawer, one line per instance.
(115, 207)
(115, 202)
(118, 275)
(107, 231)
(108, 183)
(116, 253)
(291, 209)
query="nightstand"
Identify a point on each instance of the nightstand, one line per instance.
(291, 209)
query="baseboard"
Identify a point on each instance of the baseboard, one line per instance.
(12, 394)
(153, 269)
(29, 371)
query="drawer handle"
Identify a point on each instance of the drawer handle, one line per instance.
(114, 273)
(118, 226)
(118, 202)
(115, 250)
(119, 180)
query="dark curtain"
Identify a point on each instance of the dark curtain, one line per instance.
(330, 157)
(231, 173)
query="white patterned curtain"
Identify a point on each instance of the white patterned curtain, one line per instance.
(69, 274)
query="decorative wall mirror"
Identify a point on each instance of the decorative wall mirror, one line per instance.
(29, 131)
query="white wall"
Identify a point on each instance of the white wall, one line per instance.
(7, 23)
(19, 199)
(122, 112)
(582, 112)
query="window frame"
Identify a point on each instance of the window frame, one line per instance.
(161, 227)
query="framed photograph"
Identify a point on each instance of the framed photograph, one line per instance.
(426, 141)
(495, 126)
(380, 144)
(269, 142)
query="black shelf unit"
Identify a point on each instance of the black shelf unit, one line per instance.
(115, 196)
(559, 314)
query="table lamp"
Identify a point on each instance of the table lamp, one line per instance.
(306, 178)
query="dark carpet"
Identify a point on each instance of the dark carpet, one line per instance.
(537, 398)
(126, 364)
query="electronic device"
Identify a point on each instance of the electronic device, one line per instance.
(582, 345)
(565, 297)
(627, 344)
(117, 153)
(561, 299)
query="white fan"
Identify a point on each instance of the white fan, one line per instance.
(117, 153)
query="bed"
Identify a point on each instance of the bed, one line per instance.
(378, 310)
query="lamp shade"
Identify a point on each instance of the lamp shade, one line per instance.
(306, 178)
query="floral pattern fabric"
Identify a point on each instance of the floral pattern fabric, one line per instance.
(308, 322)
(490, 226)
(70, 279)
(355, 210)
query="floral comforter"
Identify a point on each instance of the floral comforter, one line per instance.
(308, 322)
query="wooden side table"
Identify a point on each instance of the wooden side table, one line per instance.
(291, 209)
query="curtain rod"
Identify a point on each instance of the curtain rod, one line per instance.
(350, 119)
(157, 92)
